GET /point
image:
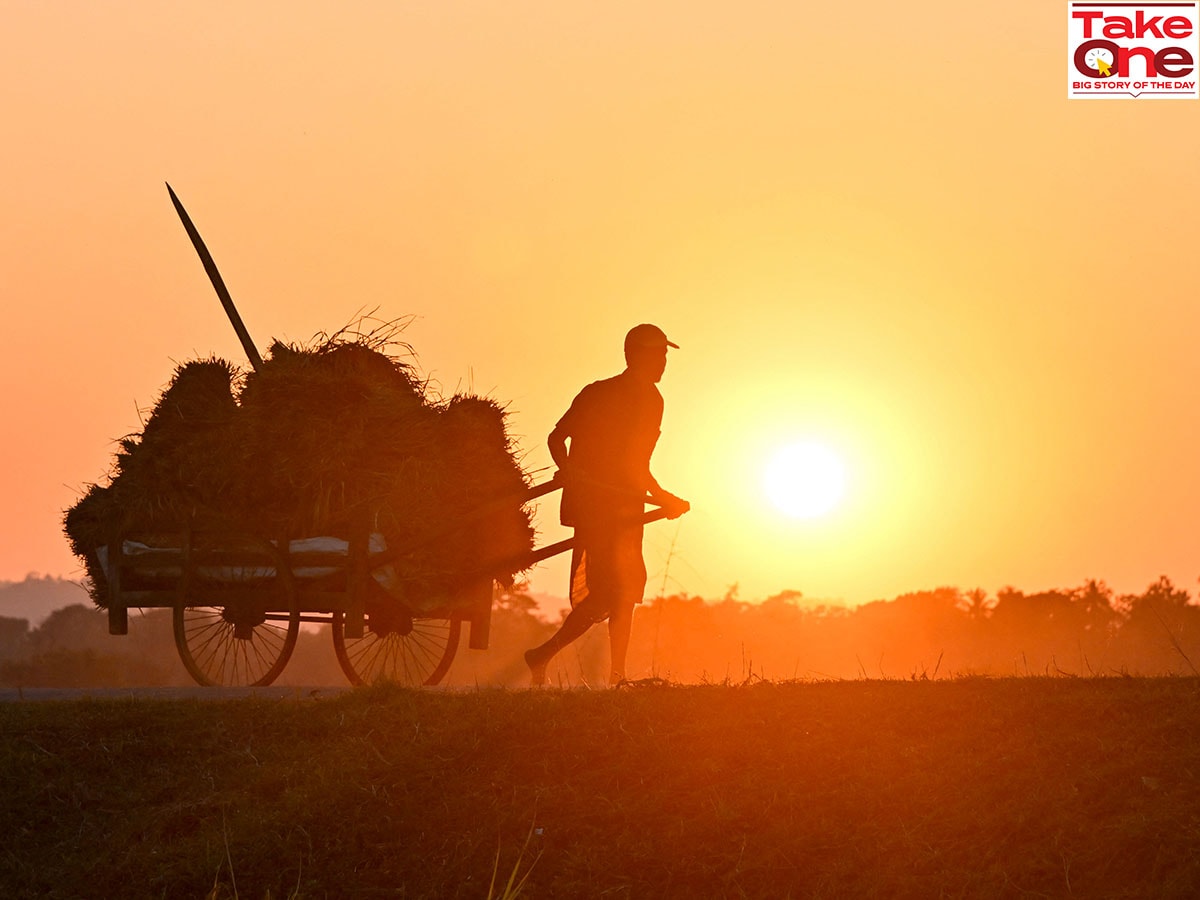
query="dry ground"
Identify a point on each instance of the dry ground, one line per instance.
(965, 788)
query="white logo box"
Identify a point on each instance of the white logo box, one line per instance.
(1133, 51)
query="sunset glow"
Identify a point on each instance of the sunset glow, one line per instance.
(893, 258)
(805, 480)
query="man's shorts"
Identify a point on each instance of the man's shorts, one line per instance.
(607, 569)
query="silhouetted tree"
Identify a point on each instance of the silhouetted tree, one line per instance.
(74, 627)
(14, 638)
(1161, 629)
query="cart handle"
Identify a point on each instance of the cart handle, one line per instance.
(544, 553)
(535, 556)
(566, 544)
(541, 490)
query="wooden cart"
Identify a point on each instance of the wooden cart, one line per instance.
(239, 599)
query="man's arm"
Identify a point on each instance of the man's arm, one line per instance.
(564, 429)
(558, 447)
(675, 506)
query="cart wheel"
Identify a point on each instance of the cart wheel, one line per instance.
(396, 647)
(234, 645)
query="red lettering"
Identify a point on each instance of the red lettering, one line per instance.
(1177, 27)
(1173, 62)
(1087, 20)
(1118, 26)
(1124, 55)
(1168, 62)
(1140, 26)
(1169, 58)
(1081, 52)
(1144, 26)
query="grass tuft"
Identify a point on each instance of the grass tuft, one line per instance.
(516, 881)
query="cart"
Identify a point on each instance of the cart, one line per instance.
(238, 601)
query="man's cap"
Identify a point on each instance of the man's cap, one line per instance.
(647, 336)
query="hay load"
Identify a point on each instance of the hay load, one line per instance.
(321, 440)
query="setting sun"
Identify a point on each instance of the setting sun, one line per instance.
(805, 480)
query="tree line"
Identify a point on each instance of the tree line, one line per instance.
(1089, 630)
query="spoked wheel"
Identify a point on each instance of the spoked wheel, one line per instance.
(396, 647)
(234, 645)
(239, 637)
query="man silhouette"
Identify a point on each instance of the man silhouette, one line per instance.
(612, 427)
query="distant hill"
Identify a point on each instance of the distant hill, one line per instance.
(39, 595)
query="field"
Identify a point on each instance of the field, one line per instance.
(956, 788)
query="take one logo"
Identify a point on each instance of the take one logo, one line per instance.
(1129, 51)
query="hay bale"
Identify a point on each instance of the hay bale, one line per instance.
(318, 441)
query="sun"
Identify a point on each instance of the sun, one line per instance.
(805, 480)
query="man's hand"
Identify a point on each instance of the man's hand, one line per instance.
(674, 506)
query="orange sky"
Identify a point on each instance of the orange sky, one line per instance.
(883, 228)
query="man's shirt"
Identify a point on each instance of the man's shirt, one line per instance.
(613, 426)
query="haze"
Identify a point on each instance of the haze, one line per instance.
(881, 228)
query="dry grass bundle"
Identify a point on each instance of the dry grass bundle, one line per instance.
(322, 439)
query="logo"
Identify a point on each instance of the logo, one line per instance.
(1129, 51)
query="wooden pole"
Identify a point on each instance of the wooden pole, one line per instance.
(218, 283)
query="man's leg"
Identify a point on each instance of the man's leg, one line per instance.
(582, 616)
(578, 621)
(620, 626)
(628, 585)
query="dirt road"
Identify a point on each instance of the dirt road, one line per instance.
(26, 695)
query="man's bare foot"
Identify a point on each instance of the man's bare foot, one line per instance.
(537, 668)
